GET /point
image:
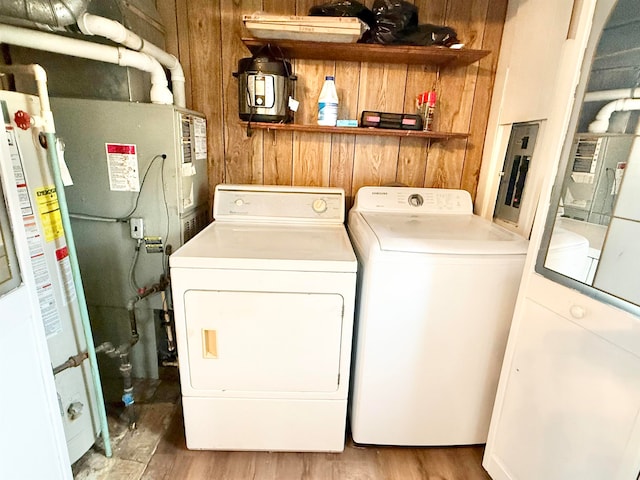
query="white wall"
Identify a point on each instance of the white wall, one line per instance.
(534, 33)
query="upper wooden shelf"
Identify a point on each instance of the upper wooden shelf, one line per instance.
(369, 52)
(379, 132)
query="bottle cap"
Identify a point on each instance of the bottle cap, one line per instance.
(431, 98)
(329, 77)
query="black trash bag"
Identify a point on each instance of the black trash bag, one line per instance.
(428, 34)
(394, 19)
(345, 8)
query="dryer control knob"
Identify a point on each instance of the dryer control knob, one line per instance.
(239, 202)
(319, 205)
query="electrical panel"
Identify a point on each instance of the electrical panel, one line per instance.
(514, 174)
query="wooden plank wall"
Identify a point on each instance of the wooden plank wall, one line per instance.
(206, 37)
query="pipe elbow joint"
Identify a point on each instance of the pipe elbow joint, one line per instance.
(599, 126)
(161, 94)
(104, 27)
(39, 72)
(84, 22)
(177, 76)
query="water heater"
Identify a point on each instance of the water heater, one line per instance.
(49, 261)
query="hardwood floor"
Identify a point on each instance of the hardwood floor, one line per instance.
(157, 451)
(172, 460)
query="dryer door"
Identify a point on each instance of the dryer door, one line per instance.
(264, 341)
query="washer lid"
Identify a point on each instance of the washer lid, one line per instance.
(562, 238)
(261, 246)
(443, 234)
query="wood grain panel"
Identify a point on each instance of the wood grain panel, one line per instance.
(206, 36)
(455, 104)
(382, 88)
(242, 155)
(278, 158)
(184, 48)
(412, 162)
(375, 162)
(492, 37)
(174, 15)
(343, 146)
(341, 173)
(311, 152)
(413, 155)
(311, 159)
(204, 32)
(168, 15)
(278, 147)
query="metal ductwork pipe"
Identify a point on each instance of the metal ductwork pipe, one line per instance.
(52, 13)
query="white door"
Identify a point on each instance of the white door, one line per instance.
(568, 402)
(264, 341)
(32, 442)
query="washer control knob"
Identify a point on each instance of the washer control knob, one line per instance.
(239, 202)
(319, 205)
(416, 200)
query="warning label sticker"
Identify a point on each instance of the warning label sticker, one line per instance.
(49, 201)
(122, 162)
(49, 210)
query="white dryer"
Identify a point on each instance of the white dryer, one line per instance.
(437, 289)
(264, 302)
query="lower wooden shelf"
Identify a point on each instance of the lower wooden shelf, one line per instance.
(379, 132)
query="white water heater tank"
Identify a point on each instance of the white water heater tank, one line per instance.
(50, 262)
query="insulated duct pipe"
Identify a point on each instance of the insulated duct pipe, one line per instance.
(94, 25)
(53, 13)
(49, 131)
(601, 95)
(124, 57)
(601, 123)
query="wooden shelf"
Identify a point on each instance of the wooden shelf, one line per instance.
(368, 52)
(379, 132)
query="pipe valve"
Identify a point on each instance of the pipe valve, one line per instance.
(22, 119)
(75, 410)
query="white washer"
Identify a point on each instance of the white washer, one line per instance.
(264, 300)
(437, 289)
(568, 254)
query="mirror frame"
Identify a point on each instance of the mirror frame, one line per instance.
(561, 179)
(6, 232)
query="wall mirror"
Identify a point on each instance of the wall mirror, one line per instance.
(592, 235)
